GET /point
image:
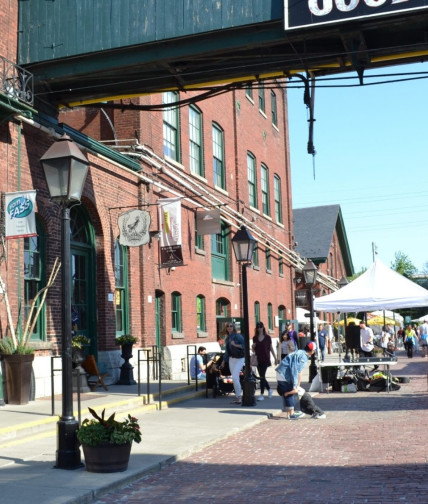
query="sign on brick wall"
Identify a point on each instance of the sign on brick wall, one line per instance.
(19, 214)
(170, 232)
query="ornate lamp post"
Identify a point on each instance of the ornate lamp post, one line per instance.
(310, 275)
(243, 246)
(65, 169)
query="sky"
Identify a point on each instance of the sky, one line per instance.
(371, 158)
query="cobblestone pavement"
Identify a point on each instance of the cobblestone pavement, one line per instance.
(371, 449)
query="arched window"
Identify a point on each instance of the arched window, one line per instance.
(121, 289)
(222, 307)
(200, 313)
(270, 316)
(34, 278)
(256, 312)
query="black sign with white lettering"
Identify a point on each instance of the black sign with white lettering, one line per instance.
(302, 13)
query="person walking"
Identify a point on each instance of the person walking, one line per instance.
(322, 340)
(424, 338)
(286, 346)
(234, 356)
(410, 341)
(262, 346)
(289, 375)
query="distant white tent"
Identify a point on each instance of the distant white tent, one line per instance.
(379, 288)
(421, 319)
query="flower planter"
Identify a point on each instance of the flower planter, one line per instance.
(126, 370)
(18, 377)
(107, 458)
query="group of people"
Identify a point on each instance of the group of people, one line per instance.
(289, 371)
(415, 338)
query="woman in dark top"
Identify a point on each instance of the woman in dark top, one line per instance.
(262, 346)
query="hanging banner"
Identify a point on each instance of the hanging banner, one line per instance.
(170, 232)
(208, 221)
(134, 228)
(19, 214)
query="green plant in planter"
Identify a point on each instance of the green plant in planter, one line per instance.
(100, 431)
(79, 341)
(7, 347)
(126, 338)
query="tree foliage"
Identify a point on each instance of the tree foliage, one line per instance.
(403, 265)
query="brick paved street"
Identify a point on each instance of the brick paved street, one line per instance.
(371, 448)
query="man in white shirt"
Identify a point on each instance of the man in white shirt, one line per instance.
(366, 340)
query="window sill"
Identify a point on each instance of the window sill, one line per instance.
(202, 334)
(174, 163)
(223, 282)
(256, 268)
(177, 335)
(269, 271)
(200, 251)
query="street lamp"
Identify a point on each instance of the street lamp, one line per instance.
(65, 169)
(243, 246)
(310, 275)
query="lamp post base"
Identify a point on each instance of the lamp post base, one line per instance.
(68, 451)
(248, 391)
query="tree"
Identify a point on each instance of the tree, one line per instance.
(403, 265)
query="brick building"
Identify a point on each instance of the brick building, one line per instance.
(228, 153)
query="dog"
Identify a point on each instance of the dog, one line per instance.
(308, 406)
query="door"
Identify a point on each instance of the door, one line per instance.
(83, 304)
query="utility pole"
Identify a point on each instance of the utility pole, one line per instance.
(374, 250)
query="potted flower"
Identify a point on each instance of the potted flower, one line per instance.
(107, 442)
(126, 371)
(126, 339)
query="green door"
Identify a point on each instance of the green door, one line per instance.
(83, 304)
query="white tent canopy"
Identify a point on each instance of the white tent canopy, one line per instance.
(421, 319)
(379, 288)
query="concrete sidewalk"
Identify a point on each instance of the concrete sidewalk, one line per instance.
(27, 471)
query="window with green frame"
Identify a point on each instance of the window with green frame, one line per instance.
(274, 111)
(249, 91)
(281, 266)
(218, 157)
(262, 104)
(199, 239)
(268, 259)
(121, 306)
(256, 312)
(34, 279)
(222, 307)
(171, 127)
(270, 316)
(256, 255)
(195, 141)
(220, 254)
(277, 198)
(200, 313)
(281, 312)
(265, 189)
(252, 180)
(176, 312)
